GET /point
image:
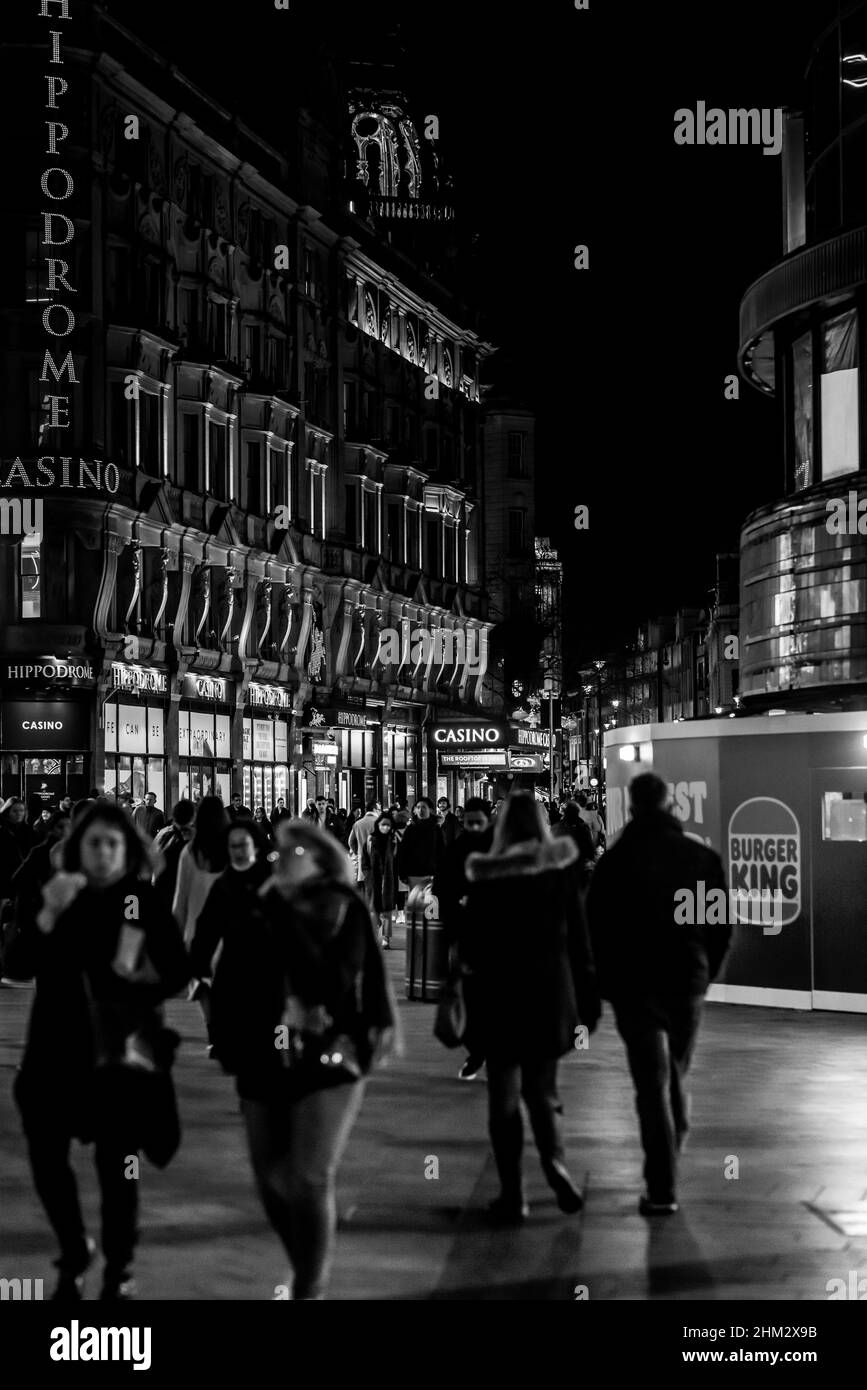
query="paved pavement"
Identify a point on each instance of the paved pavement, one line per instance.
(778, 1098)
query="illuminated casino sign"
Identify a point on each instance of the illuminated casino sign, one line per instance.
(205, 688)
(471, 733)
(59, 472)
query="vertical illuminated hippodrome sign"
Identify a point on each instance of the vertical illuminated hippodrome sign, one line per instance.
(57, 185)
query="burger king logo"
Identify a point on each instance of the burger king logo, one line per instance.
(765, 857)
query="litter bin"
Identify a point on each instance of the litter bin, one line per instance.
(426, 952)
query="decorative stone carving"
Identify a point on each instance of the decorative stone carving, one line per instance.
(180, 180)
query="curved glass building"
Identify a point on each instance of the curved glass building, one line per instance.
(803, 623)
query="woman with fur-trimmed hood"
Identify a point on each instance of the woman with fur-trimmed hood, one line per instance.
(524, 939)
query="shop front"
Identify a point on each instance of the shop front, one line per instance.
(530, 758)
(205, 737)
(46, 728)
(470, 758)
(341, 755)
(265, 775)
(783, 799)
(400, 760)
(134, 727)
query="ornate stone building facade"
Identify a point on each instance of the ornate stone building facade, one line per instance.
(258, 458)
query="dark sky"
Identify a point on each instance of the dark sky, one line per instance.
(559, 126)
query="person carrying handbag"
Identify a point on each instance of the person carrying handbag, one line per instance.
(378, 859)
(300, 1012)
(106, 953)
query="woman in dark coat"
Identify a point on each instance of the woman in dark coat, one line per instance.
(378, 859)
(230, 907)
(524, 938)
(106, 954)
(301, 1009)
(421, 846)
(16, 841)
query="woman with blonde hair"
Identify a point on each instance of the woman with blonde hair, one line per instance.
(301, 1010)
(524, 939)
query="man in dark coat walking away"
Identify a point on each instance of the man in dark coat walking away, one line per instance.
(450, 889)
(654, 970)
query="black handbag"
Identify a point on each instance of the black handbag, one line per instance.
(450, 1022)
(134, 1090)
(316, 1061)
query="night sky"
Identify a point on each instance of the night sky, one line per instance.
(558, 127)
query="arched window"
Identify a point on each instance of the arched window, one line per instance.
(388, 155)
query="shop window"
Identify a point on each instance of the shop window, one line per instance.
(844, 817)
(840, 395)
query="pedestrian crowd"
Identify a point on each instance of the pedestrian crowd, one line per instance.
(276, 926)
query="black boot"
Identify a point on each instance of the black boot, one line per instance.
(70, 1279)
(569, 1199)
(117, 1287)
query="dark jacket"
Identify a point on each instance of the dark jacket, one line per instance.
(16, 842)
(420, 849)
(450, 882)
(578, 831)
(148, 820)
(229, 908)
(58, 1066)
(524, 937)
(320, 945)
(640, 950)
(450, 828)
(378, 859)
(171, 844)
(26, 892)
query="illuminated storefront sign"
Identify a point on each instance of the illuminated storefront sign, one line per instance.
(48, 671)
(44, 725)
(205, 688)
(489, 759)
(487, 733)
(533, 738)
(272, 696)
(145, 680)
